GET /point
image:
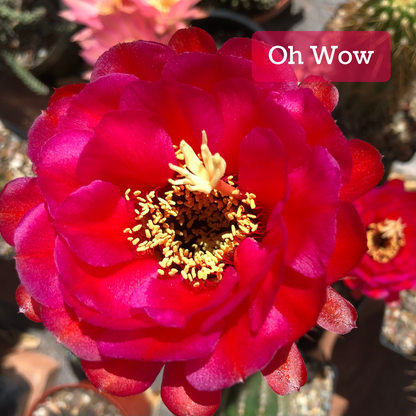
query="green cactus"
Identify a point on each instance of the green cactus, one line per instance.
(253, 397)
(370, 110)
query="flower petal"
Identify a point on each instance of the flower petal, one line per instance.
(130, 149)
(44, 128)
(107, 290)
(350, 246)
(239, 353)
(366, 173)
(323, 90)
(337, 315)
(300, 300)
(310, 214)
(158, 344)
(263, 167)
(57, 166)
(159, 298)
(17, 198)
(192, 39)
(78, 337)
(35, 242)
(286, 373)
(27, 304)
(145, 60)
(121, 377)
(92, 220)
(95, 100)
(186, 110)
(183, 399)
(66, 91)
(319, 126)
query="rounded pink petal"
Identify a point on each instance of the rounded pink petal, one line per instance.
(121, 377)
(145, 60)
(107, 290)
(35, 242)
(159, 344)
(367, 170)
(95, 100)
(310, 214)
(323, 90)
(92, 220)
(319, 126)
(239, 353)
(337, 315)
(17, 197)
(57, 166)
(186, 110)
(96, 318)
(286, 373)
(173, 302)
(300, 300)
(130, 149)
(194, 68)
(262, 167)
(192, 39)
(44, 127)
(183, 399)
(78, 337)
(350, 245)
(66, 91)
(27, 304)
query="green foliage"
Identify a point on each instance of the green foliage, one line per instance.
(252, 398)
(12, 20)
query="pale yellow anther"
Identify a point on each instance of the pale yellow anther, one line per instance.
(392, 228)
(202, 176)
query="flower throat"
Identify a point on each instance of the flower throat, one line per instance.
(194, 226)
(385, 239)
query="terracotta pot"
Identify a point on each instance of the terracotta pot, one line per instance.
(128, 406)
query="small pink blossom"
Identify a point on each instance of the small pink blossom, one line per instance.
(389, 215)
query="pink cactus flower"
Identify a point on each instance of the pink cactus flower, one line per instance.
(186, 217)
(114, 21)
(389, 215)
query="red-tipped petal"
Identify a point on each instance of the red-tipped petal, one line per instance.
(323, 90)
(145, 60)
(183, 399)
(121, 377)
(17, 198)
(286, 373)
(350, 245)
(192, 39)
(78, 337)
(66, 91)
(367, 170)
(35, 242)
(27, 304)
(337, 315)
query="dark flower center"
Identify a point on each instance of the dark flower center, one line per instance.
(191, 232)
(385, 239)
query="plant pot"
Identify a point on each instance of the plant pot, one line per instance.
(84, 399)
(398, 330)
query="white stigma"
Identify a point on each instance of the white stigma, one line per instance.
(202, 176)
(393, 228)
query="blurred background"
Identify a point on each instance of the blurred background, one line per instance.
(45, 44)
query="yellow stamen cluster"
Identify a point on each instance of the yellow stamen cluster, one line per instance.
(385, 239)
(163, 6)
(192, 233)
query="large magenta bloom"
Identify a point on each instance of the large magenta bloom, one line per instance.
(389, 215)
(138, 253)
